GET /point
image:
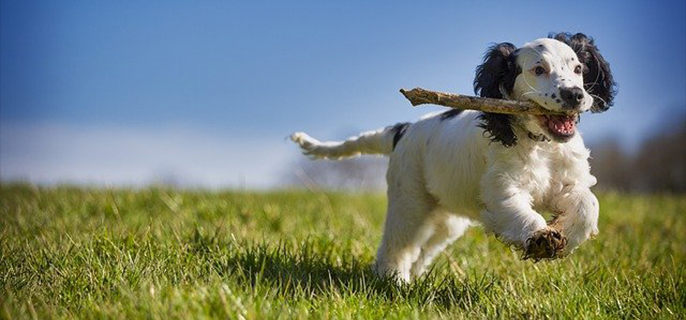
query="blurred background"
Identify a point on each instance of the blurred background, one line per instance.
(204, 94)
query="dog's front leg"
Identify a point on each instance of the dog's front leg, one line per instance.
(577, 215)
(510, 216)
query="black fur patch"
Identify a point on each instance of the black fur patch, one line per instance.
(398, 132)
(598, 80)
(499, 128)
(450, 114)
(499, 70)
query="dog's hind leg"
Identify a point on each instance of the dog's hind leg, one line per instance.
(408, 221)
(447, 228)
(407, 227)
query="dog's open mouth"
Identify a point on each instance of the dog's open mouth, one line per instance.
(560, 126)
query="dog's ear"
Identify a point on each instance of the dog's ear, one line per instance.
(496, 75)
(494, 78)
(598, 79)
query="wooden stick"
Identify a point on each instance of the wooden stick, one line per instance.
(418, 96)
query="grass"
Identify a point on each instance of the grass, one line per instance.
(158, 253)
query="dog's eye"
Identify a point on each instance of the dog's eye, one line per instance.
(577, 70)
(539, 70)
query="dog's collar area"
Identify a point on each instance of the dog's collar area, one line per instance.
(533, 136)
(537, 137)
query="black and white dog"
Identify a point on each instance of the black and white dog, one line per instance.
(449, 169)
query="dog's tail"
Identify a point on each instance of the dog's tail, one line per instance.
(380, 141)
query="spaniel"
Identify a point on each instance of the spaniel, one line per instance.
(451, 170)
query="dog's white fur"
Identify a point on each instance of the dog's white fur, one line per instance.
(445, 173)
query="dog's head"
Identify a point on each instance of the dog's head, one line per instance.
(562, 73)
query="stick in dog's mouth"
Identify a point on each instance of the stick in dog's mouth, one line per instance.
(419, 96)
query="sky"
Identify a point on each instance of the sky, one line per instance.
(124, 93)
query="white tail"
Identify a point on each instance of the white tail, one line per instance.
(380, 141)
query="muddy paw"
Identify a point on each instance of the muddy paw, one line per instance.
(545, 244)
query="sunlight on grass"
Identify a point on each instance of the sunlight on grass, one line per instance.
(69, 252)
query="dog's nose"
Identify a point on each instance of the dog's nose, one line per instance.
(571, 97)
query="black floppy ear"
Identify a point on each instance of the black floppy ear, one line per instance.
(598, 79)
(494, 76)
(498, 71)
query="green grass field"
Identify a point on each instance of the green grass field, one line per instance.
(158, 253)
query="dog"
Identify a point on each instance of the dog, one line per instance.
(451, 170)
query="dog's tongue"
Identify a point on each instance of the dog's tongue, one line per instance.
(561, 124)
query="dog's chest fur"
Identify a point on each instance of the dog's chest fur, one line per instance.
(535, 172)
(545, 169)
(529, 168)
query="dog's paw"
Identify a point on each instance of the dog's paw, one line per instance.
(545, 244)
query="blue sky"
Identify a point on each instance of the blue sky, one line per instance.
(120, 93)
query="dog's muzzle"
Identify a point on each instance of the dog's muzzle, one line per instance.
(571, 97)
